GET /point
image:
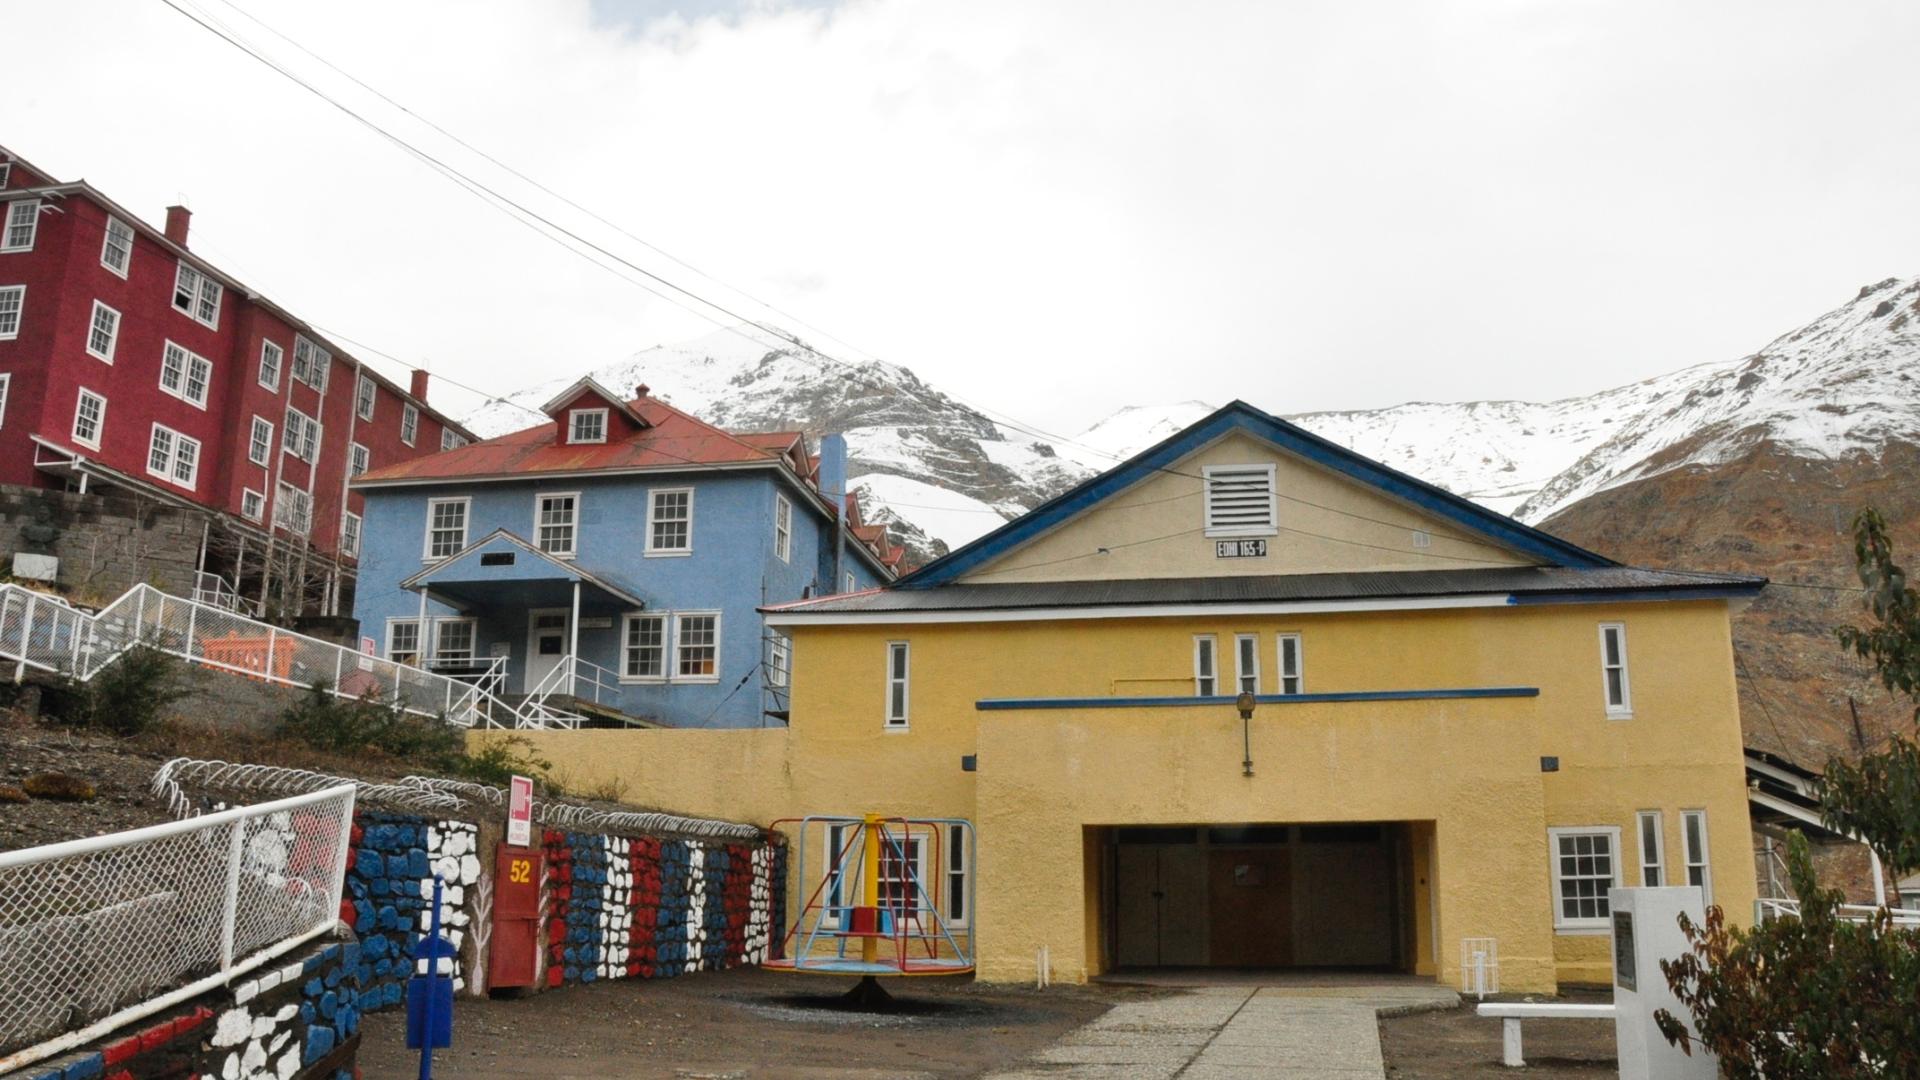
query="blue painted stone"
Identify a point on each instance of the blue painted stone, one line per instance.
(86, 1068)
(356, 888)
(319, 1044)
(373, 948)
(329, 1005)
(313, 989)
(332, 977)
(381, 967)
(381, 887)
(350, 953)
(306, 1012)
(362, 916)
(417, 866)
(389, 918)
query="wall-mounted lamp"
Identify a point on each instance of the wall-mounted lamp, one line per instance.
(1245, 704)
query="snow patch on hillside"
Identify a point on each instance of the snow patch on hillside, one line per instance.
(949, 516)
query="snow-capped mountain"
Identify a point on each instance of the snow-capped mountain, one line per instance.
(943, 473)
(938, 472)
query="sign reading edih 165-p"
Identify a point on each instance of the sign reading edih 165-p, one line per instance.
(1239, 549)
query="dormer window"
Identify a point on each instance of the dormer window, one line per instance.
(587, 426)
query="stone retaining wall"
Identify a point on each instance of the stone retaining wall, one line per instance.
(105, 544)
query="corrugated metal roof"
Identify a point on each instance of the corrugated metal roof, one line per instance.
(675, 439)
(1524, 581)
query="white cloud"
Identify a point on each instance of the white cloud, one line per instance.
(1054, 209)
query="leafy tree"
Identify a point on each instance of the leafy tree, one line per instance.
(1818, 996)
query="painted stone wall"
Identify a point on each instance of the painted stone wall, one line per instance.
(296, 1019)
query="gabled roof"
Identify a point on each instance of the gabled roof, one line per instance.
(586, 384)
(1242, 417)
(501, 538)
(668, 439)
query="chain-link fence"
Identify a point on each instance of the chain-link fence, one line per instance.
(98, 932)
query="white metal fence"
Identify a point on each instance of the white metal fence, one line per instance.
(99, 932)
(1767, 908)
(44, 632)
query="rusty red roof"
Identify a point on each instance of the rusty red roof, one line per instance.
(674, 439)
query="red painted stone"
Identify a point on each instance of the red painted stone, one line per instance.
(116, 1053)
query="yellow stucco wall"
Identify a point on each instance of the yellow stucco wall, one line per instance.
(1155, 529)
(1466, 771)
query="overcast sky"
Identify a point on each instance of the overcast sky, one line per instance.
(1053, 209)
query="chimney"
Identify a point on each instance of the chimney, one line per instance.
(833, 470)
(419, 387)
(177, 219)
(641, 390)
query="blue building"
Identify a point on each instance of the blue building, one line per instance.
(612, 562)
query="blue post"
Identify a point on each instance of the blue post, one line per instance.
(432, 950)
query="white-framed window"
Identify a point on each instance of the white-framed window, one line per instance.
(1206, 666)
(670, 522)
(301, 436)
(364, 395)
(779, 658)
(838, 856)
(898, 683)
(956, 857)
(103, 332)
(185, 374)
(270, 357)
(782, 527)
(1288, 647)
(197, 296)
(253, 504)
(403, 641)
(293, 509)
(696, 646)
(89, 418)
(1693, 841)
(260, 441)
(409, 423)
(350, 536)
(587, 426)
(116, 249)
(1653, 849)
(1613, 671)
(453, 639)
(6, 381)
(1246, 663)
(902, 873)
(446, 527)
(643, 648)
(1240, 500)
(173, 457)
(848, 583)
(23, 222)
(451, 439)
(6, 173)
(311, 362)
(13, 301)
(556, 519)
(358, 459)
(1585, 865)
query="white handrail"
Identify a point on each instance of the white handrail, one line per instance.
(1772, 907)
(45, 633)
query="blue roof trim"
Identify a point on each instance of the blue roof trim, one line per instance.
(1009, 704)
(1240, 416)
(1631, 596)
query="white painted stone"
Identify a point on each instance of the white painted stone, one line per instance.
(262, 1026)
(286, 1013)
(232, 1028)
(268, 981)
(291, 973)
(254, 1058)
(230, 1067)
(448, 867)
(288, 1064)
(245, 993)
(469, 869)
(434, 837)
(454, 896)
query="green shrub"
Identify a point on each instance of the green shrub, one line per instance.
(1800, 998)
(355, 725)
(498, 760)
(129, 695)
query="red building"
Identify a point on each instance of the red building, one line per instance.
(128, 362)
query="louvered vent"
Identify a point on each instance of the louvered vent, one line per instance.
(1240, 500)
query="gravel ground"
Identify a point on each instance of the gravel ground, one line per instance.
(742, 1023)
(1456, 1042)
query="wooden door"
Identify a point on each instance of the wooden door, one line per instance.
(1137, 905)
(1250, 907)
(1183, 905)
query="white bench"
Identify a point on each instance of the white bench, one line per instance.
(1510, 1013)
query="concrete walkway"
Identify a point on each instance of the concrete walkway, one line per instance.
(1235, 1032)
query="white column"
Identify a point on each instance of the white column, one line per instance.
(426, 632)
(573, 638)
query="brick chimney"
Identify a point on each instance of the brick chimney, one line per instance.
(419, 387)
(641, 390)
(178, 218)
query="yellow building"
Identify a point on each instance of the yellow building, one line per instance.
(1461, 728)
